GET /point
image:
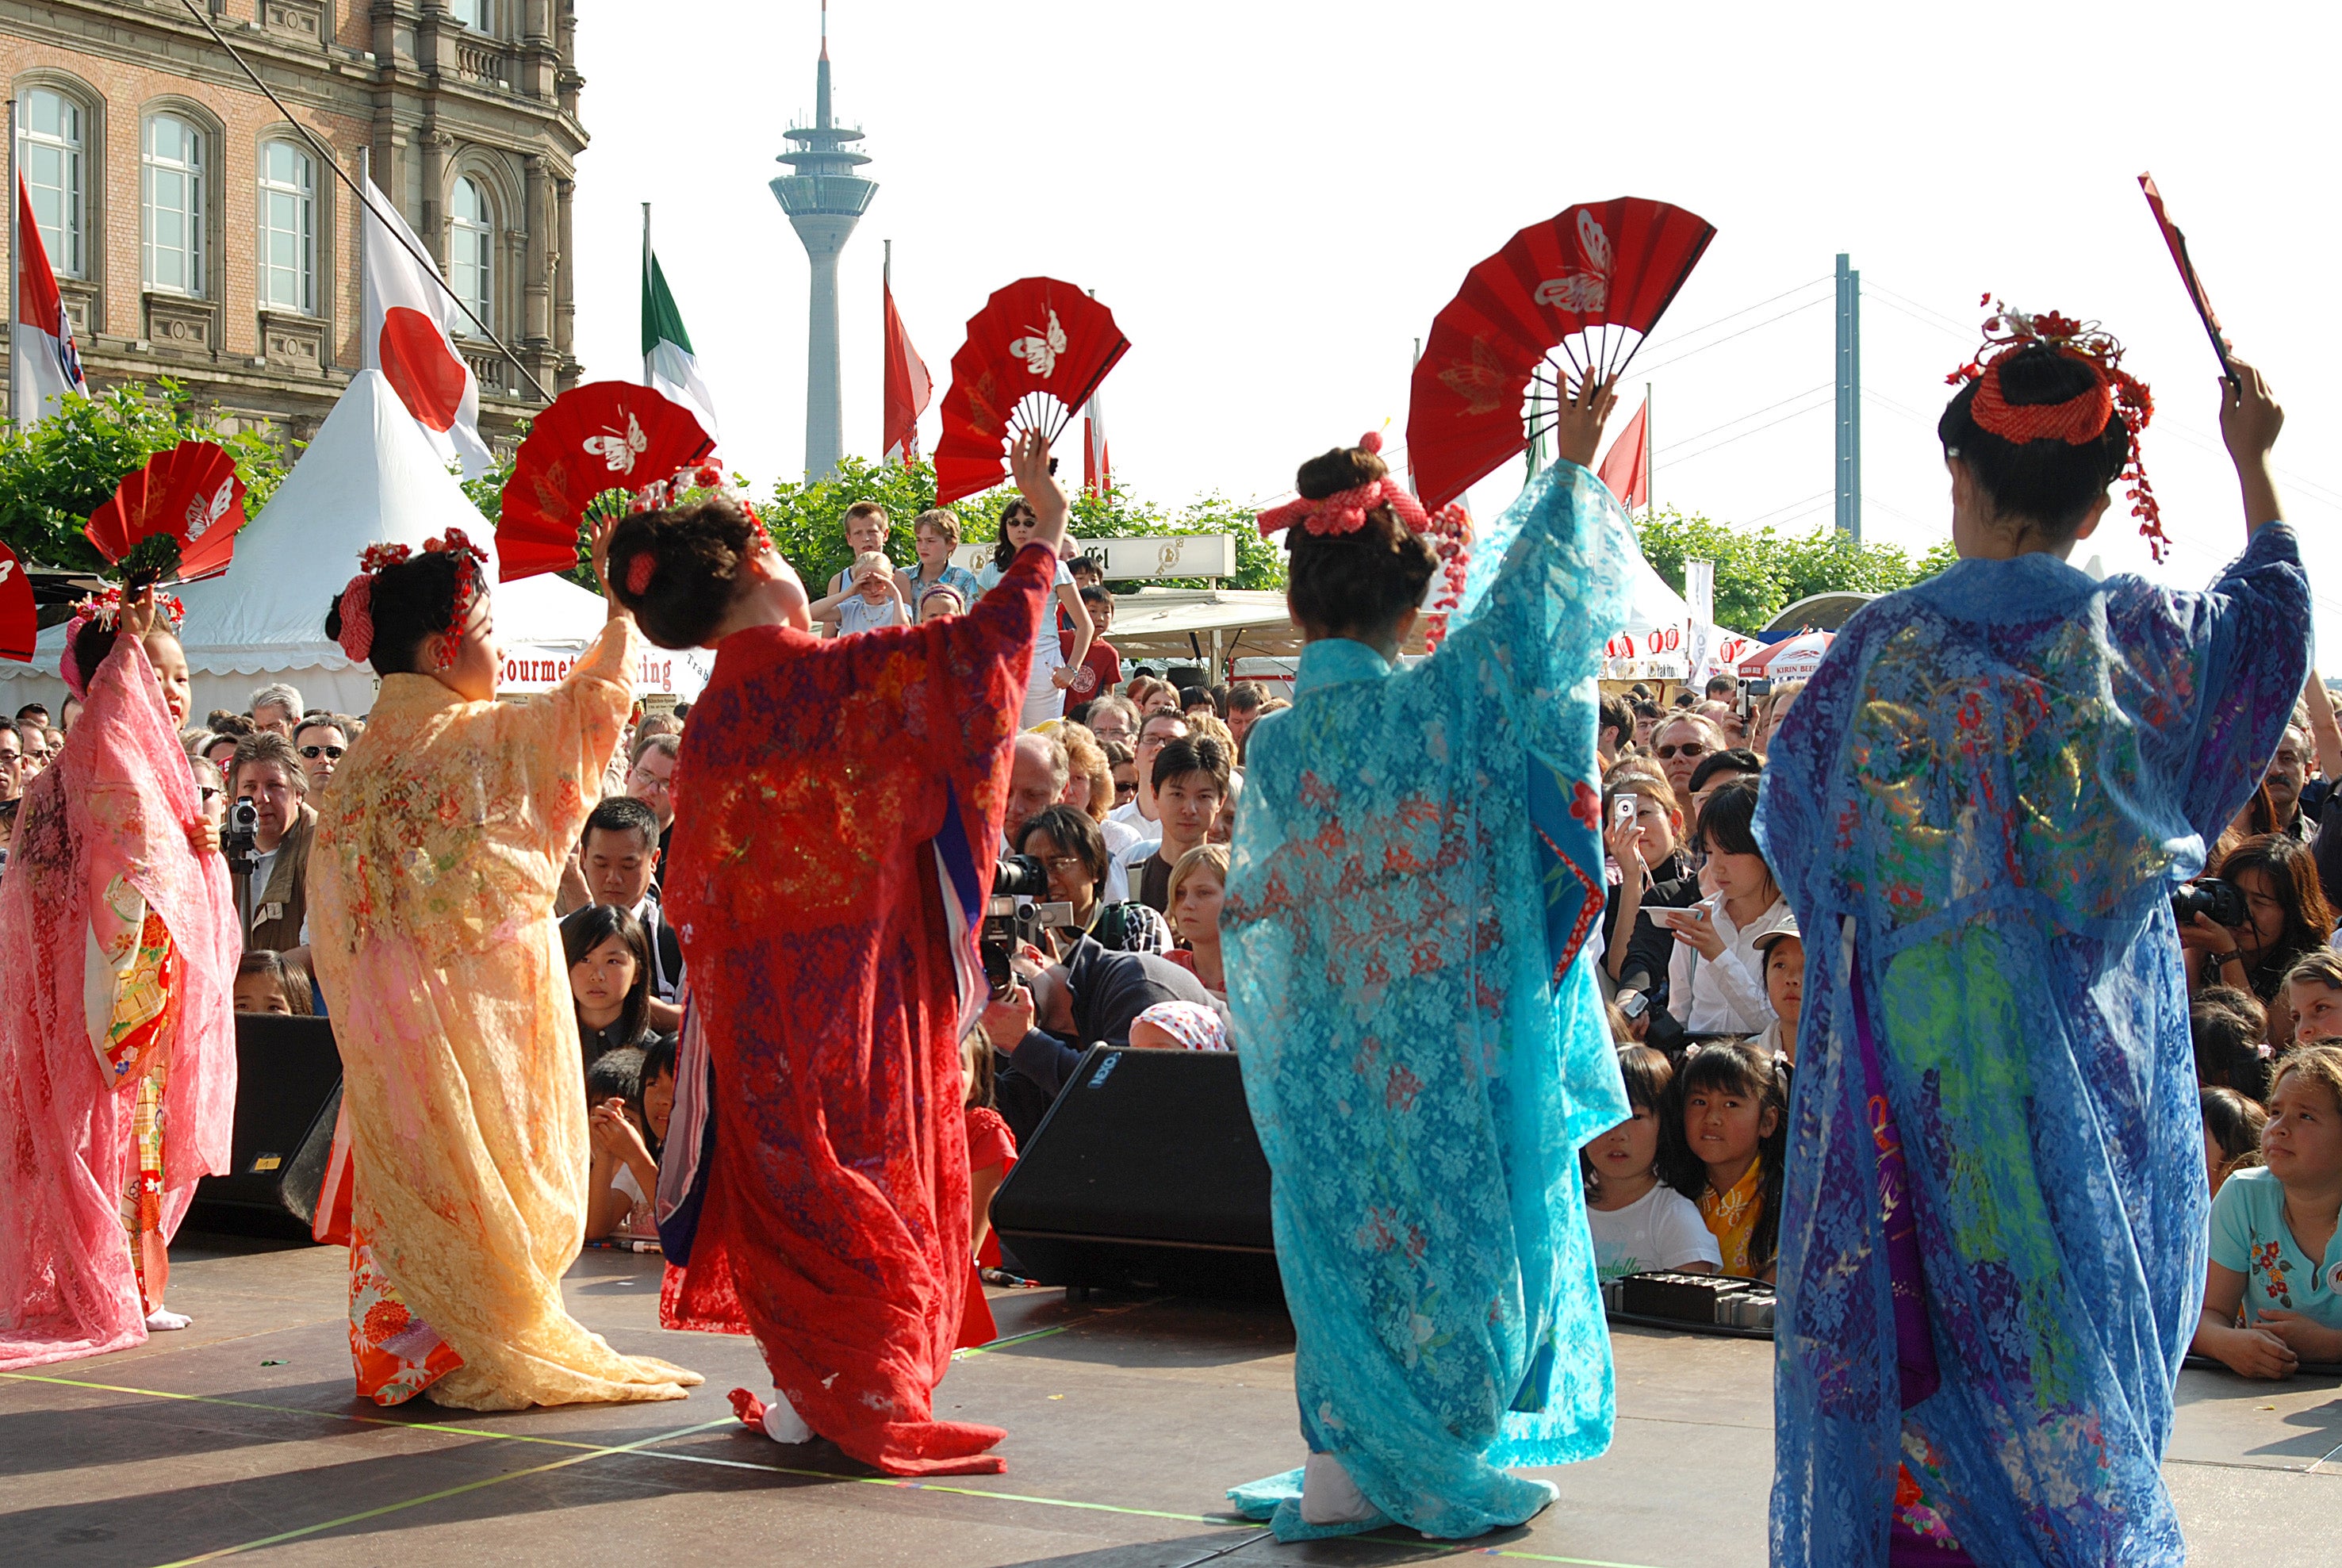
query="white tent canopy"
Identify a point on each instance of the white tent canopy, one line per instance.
(368, 477)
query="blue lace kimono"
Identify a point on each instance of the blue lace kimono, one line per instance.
(1416, 868)
(1993, 1237)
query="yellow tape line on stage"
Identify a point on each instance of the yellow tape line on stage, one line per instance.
(643, 1448)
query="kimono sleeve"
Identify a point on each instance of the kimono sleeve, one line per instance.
(2213, 677)
(562, 741)
(1546, 591)
(977, 669)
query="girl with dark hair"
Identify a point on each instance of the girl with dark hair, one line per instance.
(117, 1048)
(1716, 978)
(1726, 1137)
(2232, 1132)
(438, 855)
(2286, 920)
(1055, 668)
(1639, 1222)
(832, 1183)
(1979, 808)
(609, 958)
(1415, 872)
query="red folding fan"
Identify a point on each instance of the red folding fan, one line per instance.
(1576, 294)
(1034, 354)
(20, 622)
(605, 435)
(173, 519)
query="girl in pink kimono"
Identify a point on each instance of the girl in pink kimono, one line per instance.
(118, 1065)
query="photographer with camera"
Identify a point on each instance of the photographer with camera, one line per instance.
(2252, 921)
(269, 826)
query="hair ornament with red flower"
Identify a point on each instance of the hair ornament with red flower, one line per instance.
(1345, 511)
(356, 604)
(105, 609)
(2080, 419)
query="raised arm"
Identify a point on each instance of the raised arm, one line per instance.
(2250, 419)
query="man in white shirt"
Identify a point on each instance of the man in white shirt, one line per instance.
(1159, 731)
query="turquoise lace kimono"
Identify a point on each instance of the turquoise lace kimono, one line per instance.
(1417, 866)
(1993, 1236)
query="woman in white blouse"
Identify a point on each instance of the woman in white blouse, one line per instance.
(1716, 981)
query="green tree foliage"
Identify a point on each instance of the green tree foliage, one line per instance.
(55, 474)
(1760, 570)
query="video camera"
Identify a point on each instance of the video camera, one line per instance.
(240, 840)
(1016, 916)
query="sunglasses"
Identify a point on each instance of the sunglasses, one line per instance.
(1122, 789)
(208, 792)
(314, 753)
(1688, 749)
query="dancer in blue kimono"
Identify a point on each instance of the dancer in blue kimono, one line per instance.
(1416, 867)
(1993, 1238)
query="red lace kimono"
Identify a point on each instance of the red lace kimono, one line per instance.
(835, 800)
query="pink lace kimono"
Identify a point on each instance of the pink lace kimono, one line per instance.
(117, 1059)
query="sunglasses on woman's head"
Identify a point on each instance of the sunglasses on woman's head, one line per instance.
(314, 753)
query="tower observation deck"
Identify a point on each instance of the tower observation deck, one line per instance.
(825, 197)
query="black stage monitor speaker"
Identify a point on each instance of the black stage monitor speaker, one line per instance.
(1146, 1174)
(288, 1086)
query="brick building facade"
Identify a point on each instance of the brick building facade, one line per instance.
(196, 236)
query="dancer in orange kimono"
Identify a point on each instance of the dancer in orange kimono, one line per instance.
(438, 850)
(118, 1050)
(839, 814)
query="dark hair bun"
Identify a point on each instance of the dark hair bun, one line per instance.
(695, 555)
(2048, 482)
(414, 600)
(1354, 584)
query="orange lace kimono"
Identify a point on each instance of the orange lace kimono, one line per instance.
(431, 895)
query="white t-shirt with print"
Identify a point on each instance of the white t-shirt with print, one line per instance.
(1660, 1229)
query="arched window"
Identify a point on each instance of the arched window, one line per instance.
(471, 250)
(52, 146)
(288, 228)
(171, 188)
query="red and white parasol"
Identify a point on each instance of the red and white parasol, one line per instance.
(1791, 659)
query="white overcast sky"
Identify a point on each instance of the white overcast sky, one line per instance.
(1275, 198)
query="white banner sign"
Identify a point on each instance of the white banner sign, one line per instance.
(1150, 557)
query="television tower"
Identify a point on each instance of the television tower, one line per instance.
(824, 198)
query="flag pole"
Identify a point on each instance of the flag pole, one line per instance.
(1650, 460)
(15, 262)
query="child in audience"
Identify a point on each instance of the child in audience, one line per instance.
(1198, 883)
(2313, 990)
(2273, 1232)
(267, 982)
(1782, 950)
(876, 601)
(1725, 1140)
(622, 1173)
(935, 535)
(609, 958)
(1714, 980)
(1638, 1221)
(2226, 1025)
(942, 600)
(991, 1155)
(2232, 1133)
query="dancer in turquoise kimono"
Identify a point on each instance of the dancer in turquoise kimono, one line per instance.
(1416, 867)
(1993, 1237)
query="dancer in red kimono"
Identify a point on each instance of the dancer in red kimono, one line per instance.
(838, 812)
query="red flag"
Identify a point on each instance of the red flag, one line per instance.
(41, 337)
(1628, 468)
(1097, 466)
(908, 388)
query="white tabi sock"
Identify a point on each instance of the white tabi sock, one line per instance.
(161, 1318)
(781, 1421)
(1328, 1495)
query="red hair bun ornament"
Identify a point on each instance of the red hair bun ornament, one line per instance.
(1448, 531)
(2080, 419)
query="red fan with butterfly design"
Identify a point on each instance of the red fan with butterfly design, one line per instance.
(173, 519)
(20, 621)
(593, 439)
(1572, 296)
(1034, 354)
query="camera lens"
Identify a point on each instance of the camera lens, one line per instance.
(1019, 876)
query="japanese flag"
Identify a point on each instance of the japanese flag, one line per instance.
(411, 320)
